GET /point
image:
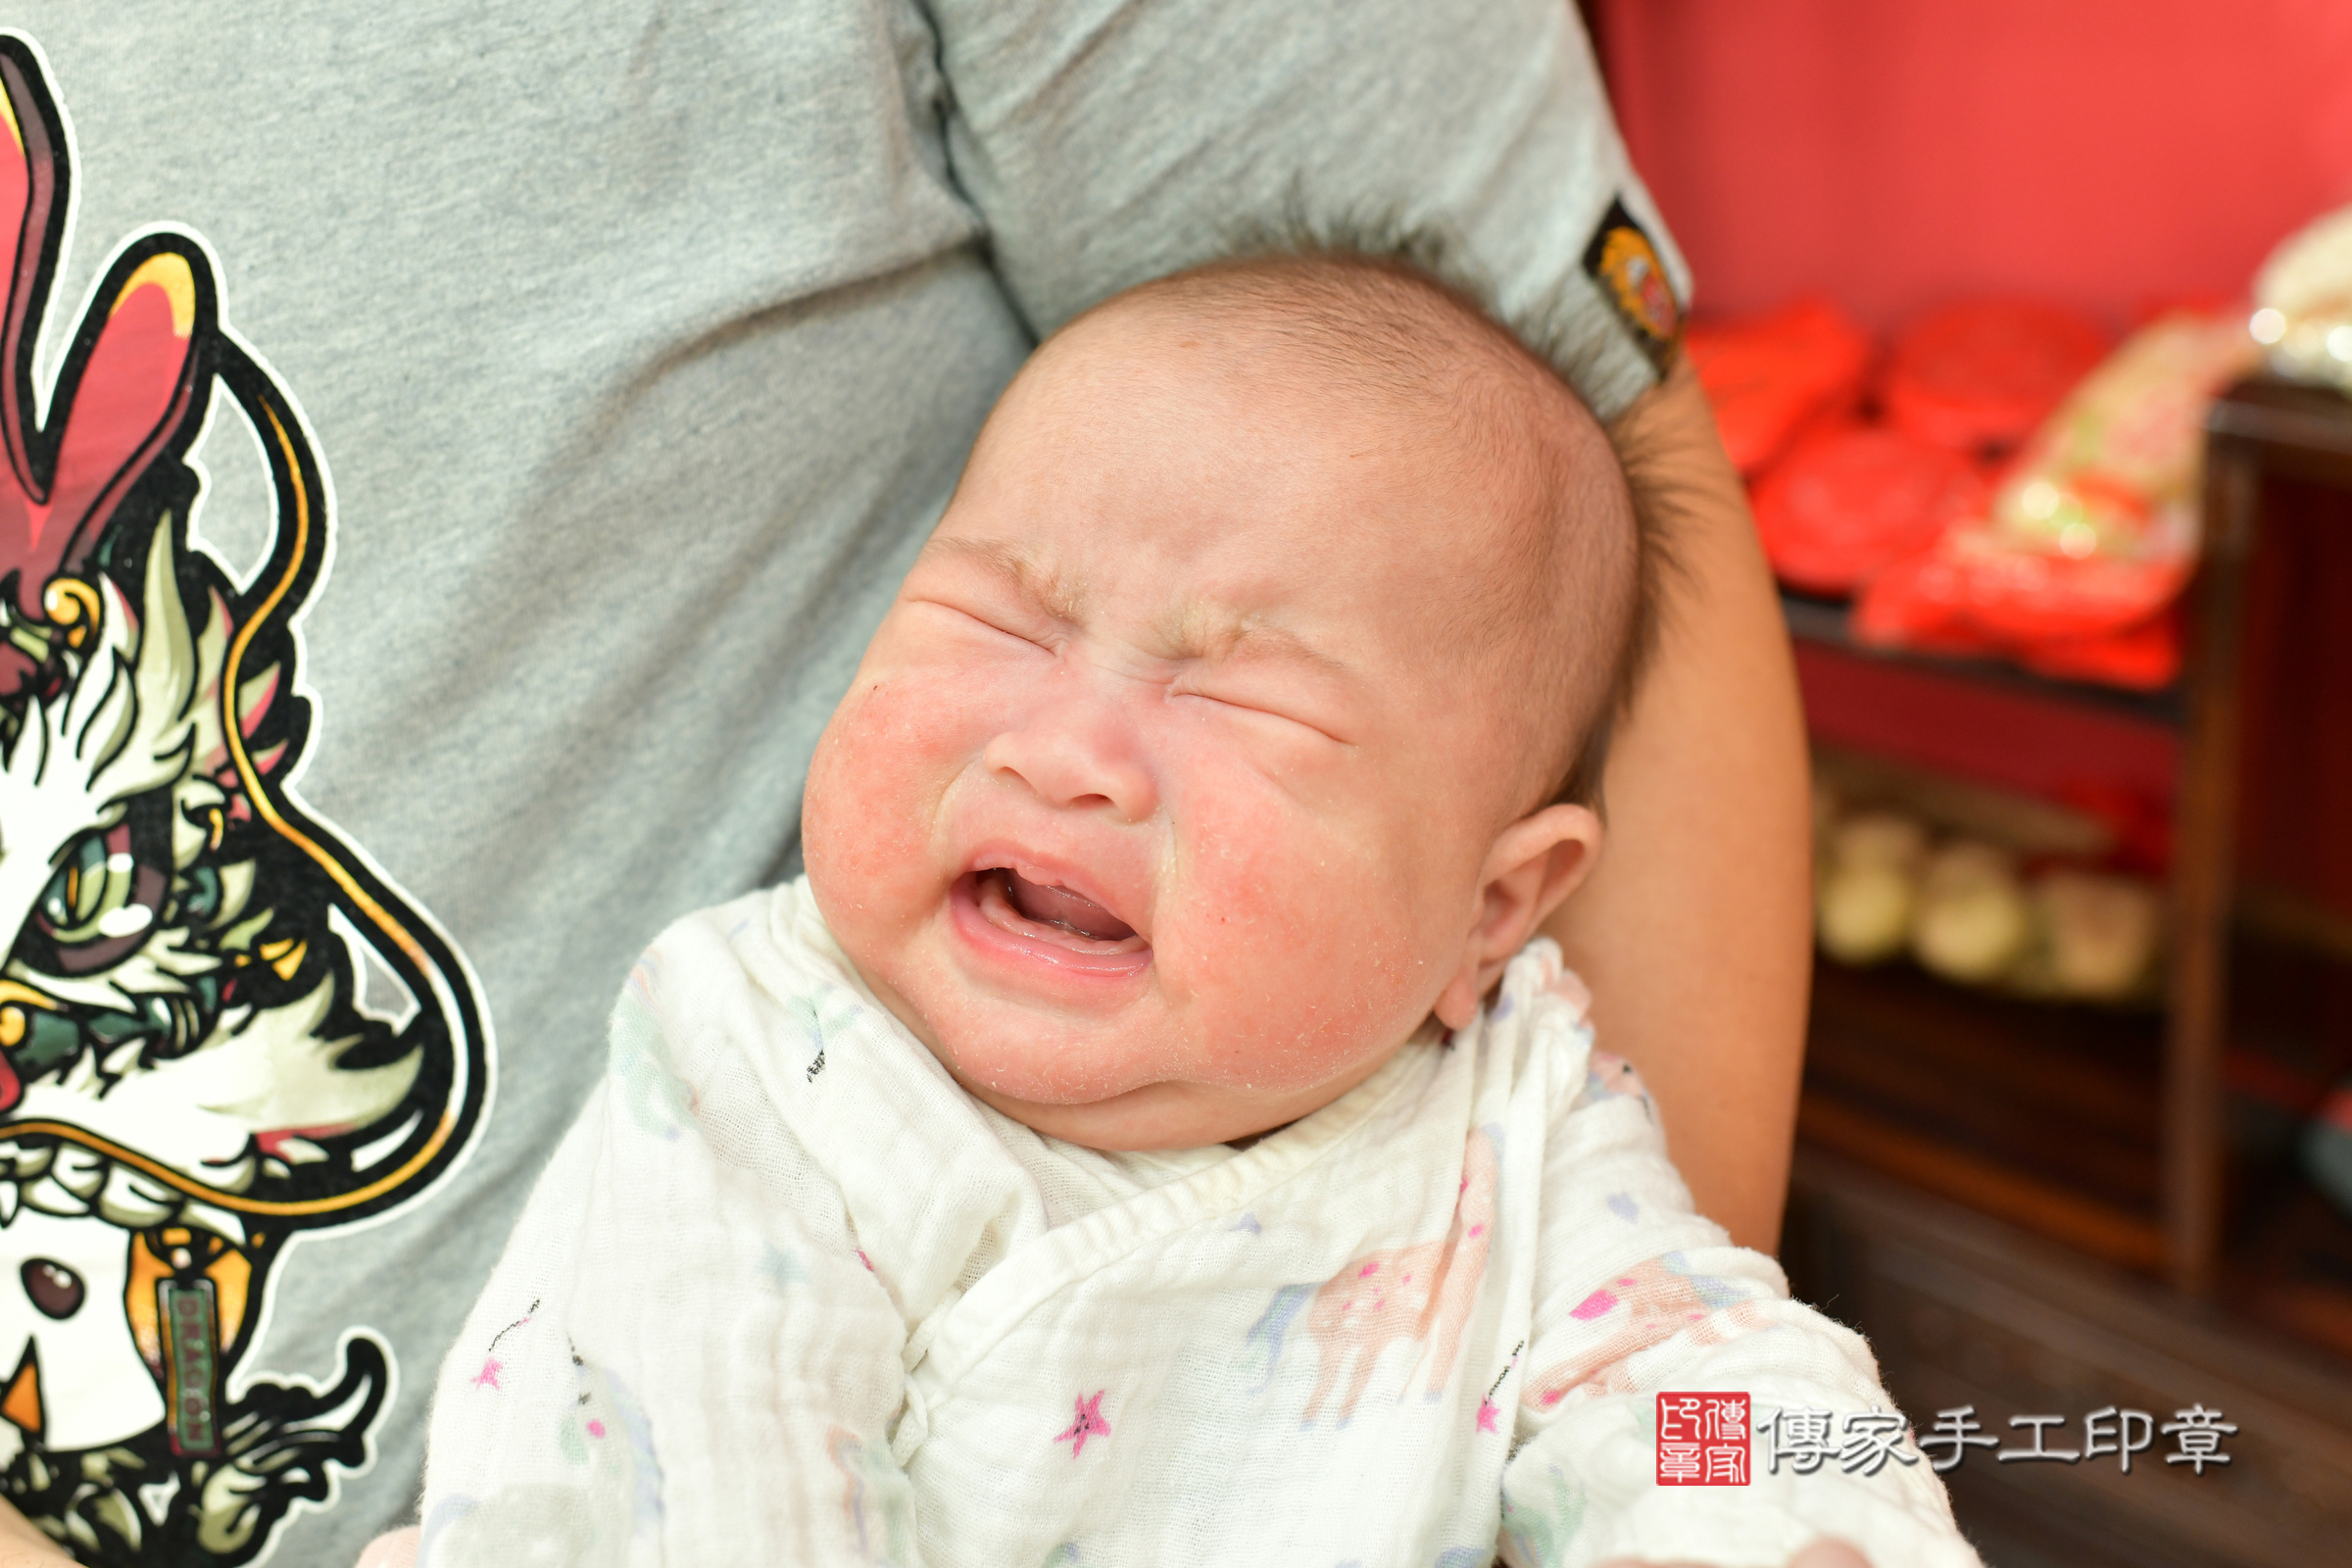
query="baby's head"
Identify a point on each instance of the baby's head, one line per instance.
(1243, 712)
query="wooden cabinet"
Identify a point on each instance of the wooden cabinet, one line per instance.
(2029, 1206)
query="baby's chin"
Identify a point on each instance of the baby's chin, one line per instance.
(1157, 1115)
(1069, 1095)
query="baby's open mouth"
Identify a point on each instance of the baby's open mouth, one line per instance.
(1041, 912)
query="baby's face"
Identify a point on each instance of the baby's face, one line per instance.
(1158, 806)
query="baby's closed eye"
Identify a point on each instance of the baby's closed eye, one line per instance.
(1245, 706)
(999, 621)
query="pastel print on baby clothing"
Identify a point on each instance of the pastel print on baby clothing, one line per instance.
(1086, 1422)
(876, 1497)
(1609, 1077)
(1418, 1294)
(1647, 1305)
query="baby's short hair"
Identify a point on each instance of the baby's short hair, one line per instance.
(1370, 288)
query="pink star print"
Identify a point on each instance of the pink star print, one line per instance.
(1488, 1410)
(1089, 1423)
(488, 1376)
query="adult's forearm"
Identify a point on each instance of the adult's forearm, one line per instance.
(23, 1546)
(1694, 931)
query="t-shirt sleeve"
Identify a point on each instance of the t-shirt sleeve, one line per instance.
(1110, 141)
(1637, 1296)
(682, 1356)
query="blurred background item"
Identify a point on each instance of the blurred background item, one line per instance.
(2008, 487)
(1979, 375)
(1854, 498)
(2303, 302)
(2327, 1146)
(2027, 325)
(1979, 886)
(2090, 532)
(1771, 375)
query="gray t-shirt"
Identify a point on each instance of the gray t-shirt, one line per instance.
(454, 463)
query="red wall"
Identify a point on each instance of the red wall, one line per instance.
(1893, 153)
(2112, 153)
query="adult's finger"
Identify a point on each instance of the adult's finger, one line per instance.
(1827, 1553)
(395, 1550)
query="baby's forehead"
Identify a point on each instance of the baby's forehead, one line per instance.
(1509, 541)
(1447, 388)
(1332, 326)
(1356, 364)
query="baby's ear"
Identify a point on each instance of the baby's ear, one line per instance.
(1535, 864)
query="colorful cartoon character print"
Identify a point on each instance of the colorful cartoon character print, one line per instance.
(1419, 1296)
(220, 1028)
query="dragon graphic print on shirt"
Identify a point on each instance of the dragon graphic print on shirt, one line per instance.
(221, 1028)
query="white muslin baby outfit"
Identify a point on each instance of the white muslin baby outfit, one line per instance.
(788, 1296)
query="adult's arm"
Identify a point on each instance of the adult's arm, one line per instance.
(1108, 141)
(1695, 930)
(23, 1546)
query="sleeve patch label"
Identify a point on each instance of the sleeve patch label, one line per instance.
(1625, 266)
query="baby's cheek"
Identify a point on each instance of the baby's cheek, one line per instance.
(873, 786)
(1301, 956)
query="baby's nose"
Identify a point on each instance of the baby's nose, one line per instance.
(1081, 754)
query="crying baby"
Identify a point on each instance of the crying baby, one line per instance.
(1153, 1131)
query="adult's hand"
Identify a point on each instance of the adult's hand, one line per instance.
(1826, 1552)
(1695, 929)
(398, 1549)
(23, 1546)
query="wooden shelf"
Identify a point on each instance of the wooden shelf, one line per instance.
(1827, 622)
(2046, 1116)
(2290, 1266)
(2293, 920)
(1979, 720)
(2101, 1130)
(2302, 431)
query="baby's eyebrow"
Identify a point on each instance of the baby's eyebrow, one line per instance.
(1220, 635)
(1198, 630)
(1049, 591)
